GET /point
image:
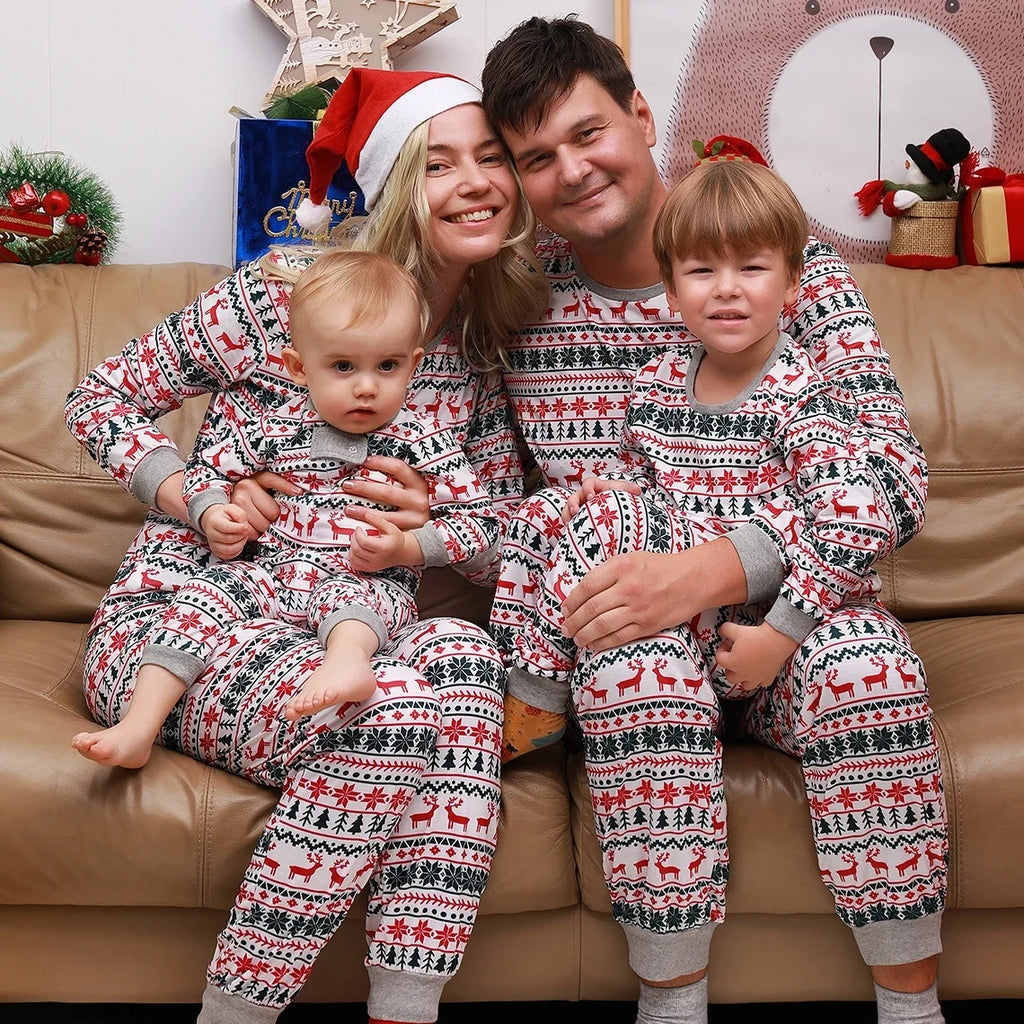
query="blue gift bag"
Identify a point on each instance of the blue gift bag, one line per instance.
(271, 179)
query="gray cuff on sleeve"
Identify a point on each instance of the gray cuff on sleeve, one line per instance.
(360, 614)
(152, 471)
(203, 501)
(185, 666)
(480, 562)
(434, 551)
(790, 621)
(761, 563)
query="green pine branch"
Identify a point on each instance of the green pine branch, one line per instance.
(88, 195)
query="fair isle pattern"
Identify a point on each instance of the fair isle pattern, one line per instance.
(229, 340)
(440, 683)
(426, 881)
(788, 442)
(570, 377)
(648, 710)
(294, 443)
(223, 593)
(300, 568)
(851, 704)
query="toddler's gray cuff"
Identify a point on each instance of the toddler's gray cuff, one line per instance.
(761, 563)
(790, 621)
(434, 551)
(152, 471)
(203, 501)
(360, 614)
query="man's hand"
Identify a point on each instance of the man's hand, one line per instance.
(406, 493)
(226, 528)
(388, 546)
(636, 595)
(253, 496)
(591, 486)
(753, 656)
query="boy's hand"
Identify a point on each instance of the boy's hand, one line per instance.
(591, 486)
(753, 656)
(387, 546)
(226, 528)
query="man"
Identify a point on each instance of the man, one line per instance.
(581, 135)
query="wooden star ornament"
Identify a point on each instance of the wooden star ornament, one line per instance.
(327, 37)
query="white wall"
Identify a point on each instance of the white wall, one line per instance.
(138, 92)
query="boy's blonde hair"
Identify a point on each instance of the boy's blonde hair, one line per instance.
(500, 295)
(368, 283)
(730, 206)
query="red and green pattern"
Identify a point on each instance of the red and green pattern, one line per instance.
(399, 794)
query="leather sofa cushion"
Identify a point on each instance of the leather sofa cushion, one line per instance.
(178, 833)
(954, 337)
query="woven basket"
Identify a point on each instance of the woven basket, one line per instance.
(926, 229)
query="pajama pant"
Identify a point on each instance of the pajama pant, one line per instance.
(228, 592)
(851, 704)
(399, 793)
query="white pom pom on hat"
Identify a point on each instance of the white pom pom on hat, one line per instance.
(366, 123)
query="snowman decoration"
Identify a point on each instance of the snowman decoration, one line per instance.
(924, 205)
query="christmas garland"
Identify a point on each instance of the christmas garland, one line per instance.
(53, 211)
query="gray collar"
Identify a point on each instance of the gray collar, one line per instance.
(328, 442)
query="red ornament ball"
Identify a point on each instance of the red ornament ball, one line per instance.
(56, 203)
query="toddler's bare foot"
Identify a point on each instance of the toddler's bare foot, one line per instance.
(120, 746)
(333, 684)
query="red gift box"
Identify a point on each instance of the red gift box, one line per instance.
(992, 223)
(25, 222)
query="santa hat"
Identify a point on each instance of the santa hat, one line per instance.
(366, 123)
(940, 154)
(727, 147)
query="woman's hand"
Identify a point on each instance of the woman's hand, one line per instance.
(253, 496)
(405, 492)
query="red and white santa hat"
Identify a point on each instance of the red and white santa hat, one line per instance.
(366, 123)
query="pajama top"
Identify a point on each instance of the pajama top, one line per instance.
(228, 343)
(788, 441)
(569, 379)
(308, 542)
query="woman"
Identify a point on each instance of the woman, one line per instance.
(364, 788)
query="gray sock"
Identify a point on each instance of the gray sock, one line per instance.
(908, 1007)
(687, 1004)
(221, 1008)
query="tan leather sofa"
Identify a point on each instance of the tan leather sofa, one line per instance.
(114, 884)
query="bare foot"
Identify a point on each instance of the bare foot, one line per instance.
(333, 684)
(120, 746)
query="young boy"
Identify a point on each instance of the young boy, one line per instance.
(719, 429)
(357, 322)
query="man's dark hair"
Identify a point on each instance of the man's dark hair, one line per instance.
(538, 63)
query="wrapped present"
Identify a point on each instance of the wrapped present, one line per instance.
(271, 179)
(992, 223)
(25, 222)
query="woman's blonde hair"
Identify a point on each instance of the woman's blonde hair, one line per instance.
(730, 206)
(500, 294)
